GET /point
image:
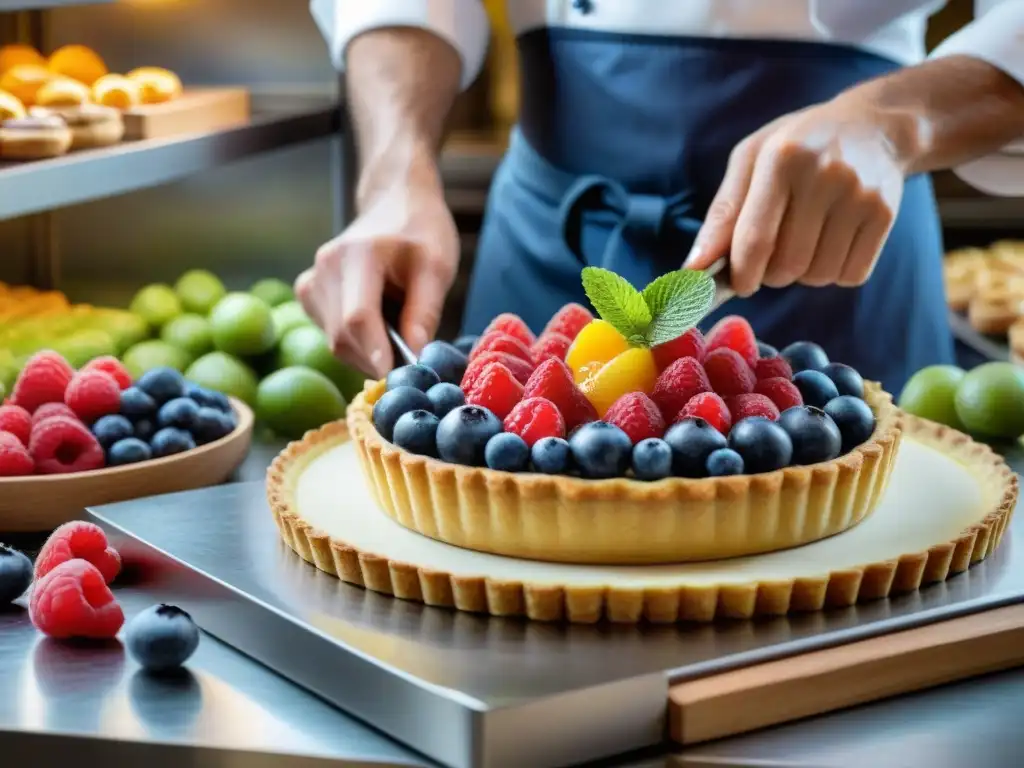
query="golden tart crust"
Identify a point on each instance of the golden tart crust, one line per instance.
(623, 521)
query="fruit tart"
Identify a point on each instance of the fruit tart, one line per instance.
(629, 438)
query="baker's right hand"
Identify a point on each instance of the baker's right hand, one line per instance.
(404, 238)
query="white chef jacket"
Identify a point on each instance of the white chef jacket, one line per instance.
(891, 28)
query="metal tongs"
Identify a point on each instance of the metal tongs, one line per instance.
(723, 289)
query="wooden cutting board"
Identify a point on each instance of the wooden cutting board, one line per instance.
(196, 111)
(823, 681)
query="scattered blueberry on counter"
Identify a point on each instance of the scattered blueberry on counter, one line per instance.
(162, 638)
(15, 574)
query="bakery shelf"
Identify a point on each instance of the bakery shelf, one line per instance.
(987, 346)
(79, 177)
(34, 5)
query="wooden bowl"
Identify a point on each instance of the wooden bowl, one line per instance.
(42, 502)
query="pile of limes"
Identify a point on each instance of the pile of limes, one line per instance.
(986, 402)
(257, 345)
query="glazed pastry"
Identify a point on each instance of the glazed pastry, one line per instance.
(78, 62)
(24, 82)
(158, 85)
(34, 138)
(62, 92)
(10, 107)
(92, 126)
(117, 91)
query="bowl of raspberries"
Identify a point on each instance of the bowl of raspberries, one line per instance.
(70, 438)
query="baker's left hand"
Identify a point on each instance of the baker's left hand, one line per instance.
(809, 199)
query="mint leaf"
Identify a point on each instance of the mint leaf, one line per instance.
(677, 302)
(617, 302)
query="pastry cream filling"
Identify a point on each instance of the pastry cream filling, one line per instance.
(930, 500)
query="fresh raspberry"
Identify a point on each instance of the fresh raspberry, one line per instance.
(677, 384)
(780, 391)
(17, 421)
(496, 389)
(773, 368)
(535, 418)
(711, 408)
(734, 332)
(92, 394)
(520, 368)
(513, 325)
(743, 406)
(690, 344)
(79, 540)
(498, 341)
(43, 380)
(553, 381)
(47, 410)
(60, 445)
(73, 600)
(113, 366)
(15, 460)
(550, 344)
(636, 415)
(728, 374)
(569, 321)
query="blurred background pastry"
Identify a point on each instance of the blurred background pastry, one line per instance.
(157, 84)
(34, 138)
(11, 107)
(17, 53)
(24, 81)
(62, 92)
(117, 91)
(91, 125)
(79, 62)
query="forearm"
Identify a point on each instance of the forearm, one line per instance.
(944, 112)
(401, 84)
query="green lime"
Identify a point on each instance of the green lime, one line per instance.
(154, 353)
(190, 333)
(990, 400)
(242, 325)
(221, 372)
(289, 315)
(307, 345)
(294, 400)
(125, 328)
(156, 304)
(272, 291)
(81, 347)
(931, 393)
(199, 291)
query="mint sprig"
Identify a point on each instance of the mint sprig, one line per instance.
(666, 309)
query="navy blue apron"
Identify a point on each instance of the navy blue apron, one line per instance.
(622, 143)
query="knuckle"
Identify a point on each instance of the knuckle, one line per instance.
(356, 319)
(722, 210)
(790, 155)
(326, 254)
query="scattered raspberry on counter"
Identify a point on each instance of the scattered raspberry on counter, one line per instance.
(73, 600)
(60, 445)
(15, 460)
(636, 415)
(79, 540)
(92, 394)
(43, 379)
(17, 421)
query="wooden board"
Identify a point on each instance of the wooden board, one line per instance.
(823, 681)
(195, 111)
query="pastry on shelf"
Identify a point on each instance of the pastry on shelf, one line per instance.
(62, 91)
(157, 85)
(997, 303)
(79, 62)
(960, 270)
(11, 107)
(1016, 339)
(24, 81)
(92, 125)
(117, 91)
(34, 138)
(18, 53)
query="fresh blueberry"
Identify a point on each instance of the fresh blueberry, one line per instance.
(724, 461)
(145, 429)
(15, 574)
(766, 350)
(465, 344)
(445, 397)
(136, 404)
(601, 450)
(507, 452)
(393, 404)
(416, 432)
(846, 379)
(109, 429)
(180, 412)
(416, 376)
(814, 435)
(692, 441)
(805, 356)
(763, 444)
(162, 384)
(131, 450)
(211, 424)
(171, 440)
(161, 638)
(815, 387)
(551, 455)
(462, 435)
(652, 459)
(854, 418)
(207, 398)
(445, 360)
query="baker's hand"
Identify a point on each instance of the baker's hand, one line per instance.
(809, 198)
(405, 238)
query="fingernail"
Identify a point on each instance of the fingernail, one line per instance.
(417, 337)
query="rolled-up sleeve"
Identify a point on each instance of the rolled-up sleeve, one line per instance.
(997, 37)
(462, 23)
